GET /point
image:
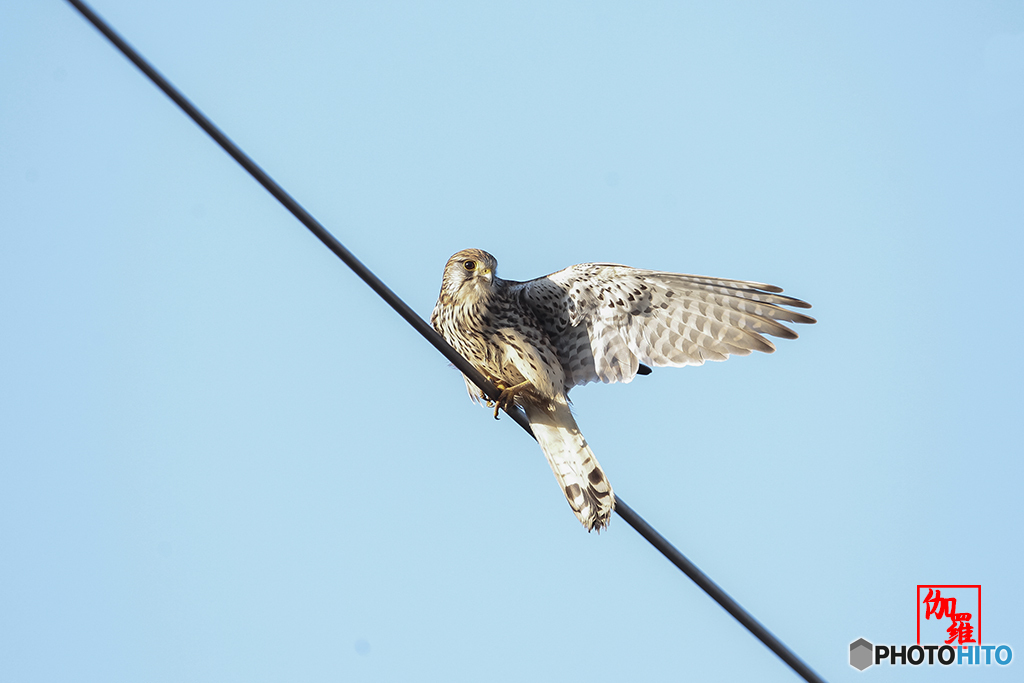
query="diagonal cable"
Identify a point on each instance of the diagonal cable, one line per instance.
(627, 513)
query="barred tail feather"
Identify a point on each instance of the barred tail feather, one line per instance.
(578, 473)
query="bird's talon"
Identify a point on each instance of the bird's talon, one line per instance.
(500, 403)
(506, 396)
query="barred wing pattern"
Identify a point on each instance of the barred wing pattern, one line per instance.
(605, 319)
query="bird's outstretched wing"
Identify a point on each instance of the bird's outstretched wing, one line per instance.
(607, 319)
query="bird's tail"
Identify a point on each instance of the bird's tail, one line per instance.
(576, 469)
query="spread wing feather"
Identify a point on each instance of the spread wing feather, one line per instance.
(605, 319)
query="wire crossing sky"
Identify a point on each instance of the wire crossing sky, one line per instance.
(210, 470)
(627, 513)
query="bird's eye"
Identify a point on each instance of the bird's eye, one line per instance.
(469, 265)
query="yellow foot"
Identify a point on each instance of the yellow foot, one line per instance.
(507, 396)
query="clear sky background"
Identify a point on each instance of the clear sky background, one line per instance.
(223, 458)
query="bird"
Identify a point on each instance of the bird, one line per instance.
(594, 322)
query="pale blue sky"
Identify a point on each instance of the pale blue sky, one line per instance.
(223, 458)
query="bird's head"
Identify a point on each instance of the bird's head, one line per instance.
(469, 276)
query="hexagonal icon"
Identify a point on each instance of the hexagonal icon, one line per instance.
(861, 654)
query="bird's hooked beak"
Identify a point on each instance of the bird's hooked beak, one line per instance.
(487, 274)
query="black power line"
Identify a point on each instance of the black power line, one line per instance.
(421, 326)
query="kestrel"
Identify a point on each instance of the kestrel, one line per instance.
(538, 339)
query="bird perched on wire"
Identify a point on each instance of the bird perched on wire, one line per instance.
(538, 339)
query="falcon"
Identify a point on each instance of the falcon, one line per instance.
(592, 322)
